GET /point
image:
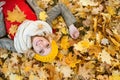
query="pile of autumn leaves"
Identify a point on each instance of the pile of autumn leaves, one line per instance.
(95, 55)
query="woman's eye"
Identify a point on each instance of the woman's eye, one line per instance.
(48, 45)
(41, 40)
(41, 51)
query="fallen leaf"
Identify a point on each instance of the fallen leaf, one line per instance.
(43, 16)
(114, 41)
(88, 3)
(66, 71)
(15, 77)
(84, 72)
(71, 60)
(114, 77)
(83, 45)
(94, 50)
(64, 42)
(104, 41)
(111, 10)
(43, 74)
(95, 23)
(105, 56)
(33, 77)
(64, 30)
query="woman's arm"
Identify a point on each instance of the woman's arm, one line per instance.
(61, 9)
(2, 26)
(35, 7)
(7, 43)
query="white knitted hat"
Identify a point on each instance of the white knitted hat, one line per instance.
(22, 39)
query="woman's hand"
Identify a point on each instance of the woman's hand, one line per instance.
(1, 4)
(74, 33)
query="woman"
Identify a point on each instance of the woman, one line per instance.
(31, 33)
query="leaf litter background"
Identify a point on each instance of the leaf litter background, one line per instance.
(95, 55)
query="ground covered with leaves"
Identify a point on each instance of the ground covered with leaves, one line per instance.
(95, 55)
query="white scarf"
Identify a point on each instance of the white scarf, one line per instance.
(22, 39)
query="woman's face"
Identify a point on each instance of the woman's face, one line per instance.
(41, 45)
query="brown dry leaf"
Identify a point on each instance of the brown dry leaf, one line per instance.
(16, 15)
(84, 72)
(117, 37)
(114, 41)
(106, 17)
(111, 49)
(50, 69)
(95, 19)
(94, 50)
(1, 63)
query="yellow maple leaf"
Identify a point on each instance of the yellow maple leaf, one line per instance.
(71, 60)
(83, 45)
(60, 56)
(16, 15)
(43, 16)
(64, 30)
(64, 43)
(111, 10)
(13, 29)
(114, 77)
